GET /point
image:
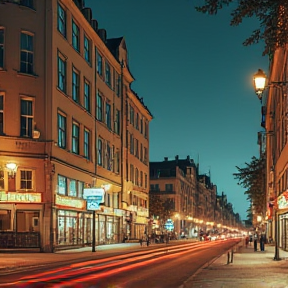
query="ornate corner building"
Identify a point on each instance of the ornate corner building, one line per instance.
(69, 121)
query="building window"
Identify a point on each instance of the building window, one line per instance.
(26, 53)
(99, 64)
(87, 49)
(145, 155)
(1, 180)
(87, 95)
(137, 121)
(109, 157)
(136, 177)
(141, 125)
(168, 187)
(116, 162)
(26, 179)
(72, 188)
(75, 138)
(118, 84)
(99, 111)
(87, 144)
(117, 122)
(132, 173)
(131, 144)
(62, 185)
(141, 179)
(1, 48)
(26, 118)
(136, 148)
(146, 181)
(80, 189)
(61, 73)
(146, 130)
(61, 20)
(1, 114)
(61, 131)
(107, 74)
(75, 36)
(131, 115)
(75, 85)
(100, 152)
(108, 116)
(27, 3)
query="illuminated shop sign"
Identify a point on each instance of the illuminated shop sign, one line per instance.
(282, 201)
(69, 202)
(94, 197)
(25, 197)
(141, 211)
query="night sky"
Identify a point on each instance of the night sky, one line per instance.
(195, 76)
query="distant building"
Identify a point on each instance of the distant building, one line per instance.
(69, 121)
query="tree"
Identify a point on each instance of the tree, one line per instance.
(252, 178)
(272, 16)
(159, 207)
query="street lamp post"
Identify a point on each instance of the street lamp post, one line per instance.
(260, 84)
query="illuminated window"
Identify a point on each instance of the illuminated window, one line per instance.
(26, 118)
(27, 3)
(75, 36)
(26, 179)
(1, 179)
(117, 122)
(72, 188)
(75, 138)
(61, 131)
(62, 185)
(27, 53)
(61, 20)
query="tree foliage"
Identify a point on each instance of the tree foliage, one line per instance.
(159, 207)
(272, 16)
(252, 178)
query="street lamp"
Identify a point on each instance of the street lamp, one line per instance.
(260, 84)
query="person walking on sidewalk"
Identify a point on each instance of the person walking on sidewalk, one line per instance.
(255, 241)
(262, 242)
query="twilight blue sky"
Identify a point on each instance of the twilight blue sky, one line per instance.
(196, 78)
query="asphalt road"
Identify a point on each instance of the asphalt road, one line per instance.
(166, 266)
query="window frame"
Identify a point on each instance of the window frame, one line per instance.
(25, 50)
(26, 180)
(29, 117)
(61, 19)
(62, 72)
(87, 49)
(99, 108)
(2, 50)
(86, 144)
(76, 86)
(62, 131)
(100, 152)
(75, 138)
(87, 97)
(108, 115)
(75, 36)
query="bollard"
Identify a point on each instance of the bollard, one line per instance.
(228, 258)
(232, 253)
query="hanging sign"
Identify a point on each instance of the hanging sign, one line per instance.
(94, 197)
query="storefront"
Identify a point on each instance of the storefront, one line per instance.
(282, 203)
(20, 219)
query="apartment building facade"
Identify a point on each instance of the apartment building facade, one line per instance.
(64, 89)
(196, 207)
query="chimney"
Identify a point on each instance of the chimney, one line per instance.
(87, 12)
(188, 158)
(177, 158)
(165, 159)
(94, 24)
(102, 34)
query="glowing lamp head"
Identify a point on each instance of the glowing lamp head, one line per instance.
(259, 80)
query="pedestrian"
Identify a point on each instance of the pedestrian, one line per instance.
(246, 241)
(255, 241)
(262, 242)
(141, 241)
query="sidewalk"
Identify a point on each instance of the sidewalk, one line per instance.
(249, 270)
